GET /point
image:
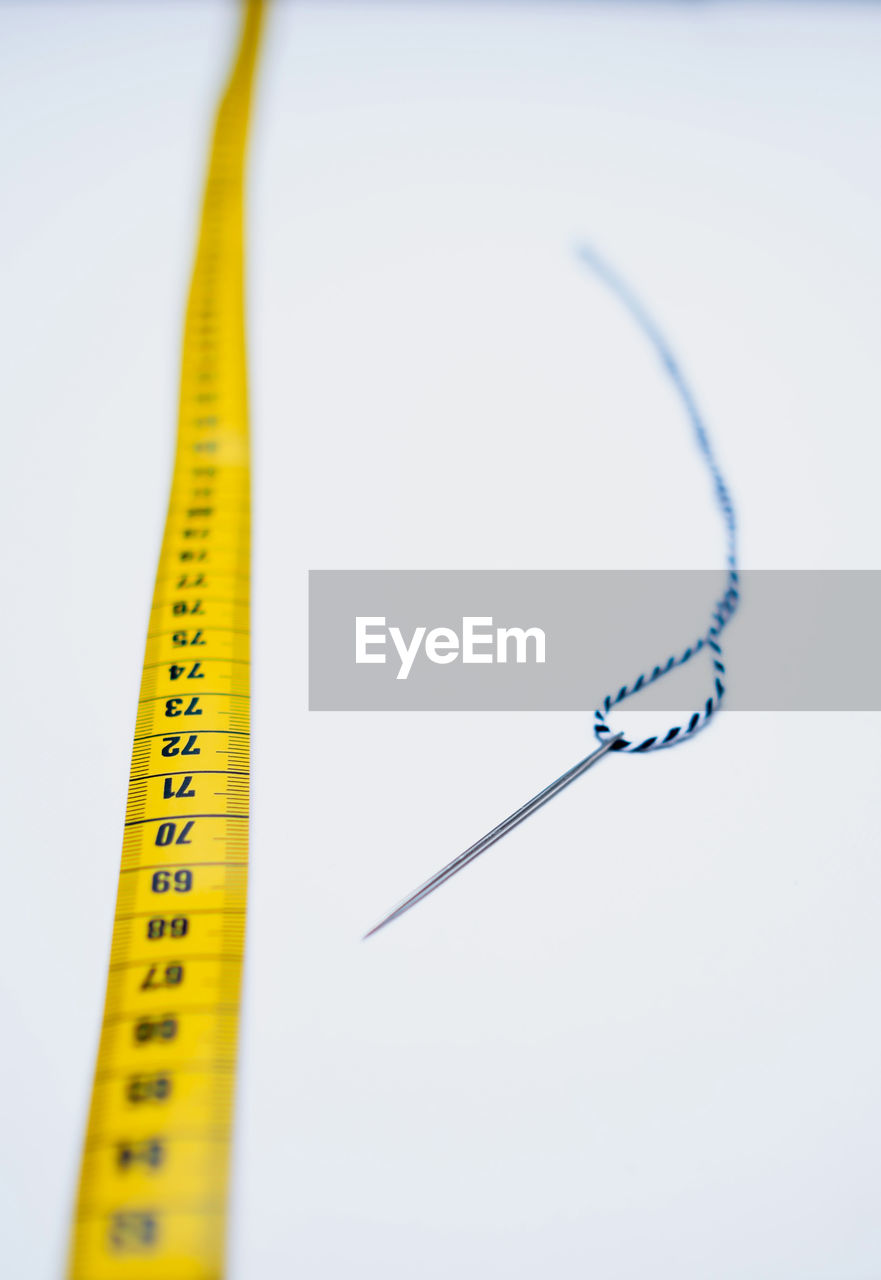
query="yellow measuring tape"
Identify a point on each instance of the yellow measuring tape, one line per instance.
(153, 1186)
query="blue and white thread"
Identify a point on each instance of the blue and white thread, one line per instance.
(725, 607)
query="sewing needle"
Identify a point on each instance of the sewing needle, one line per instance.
(497, 833)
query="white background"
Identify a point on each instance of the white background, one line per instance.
(640, 1038)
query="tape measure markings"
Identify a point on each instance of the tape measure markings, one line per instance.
(153, 1183)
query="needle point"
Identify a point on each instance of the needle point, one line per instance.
(497, 833)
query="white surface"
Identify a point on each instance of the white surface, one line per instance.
(640, 1037)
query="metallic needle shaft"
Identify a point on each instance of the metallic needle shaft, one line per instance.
(496, 834)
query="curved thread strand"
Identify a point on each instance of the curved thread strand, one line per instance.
(726, 606)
